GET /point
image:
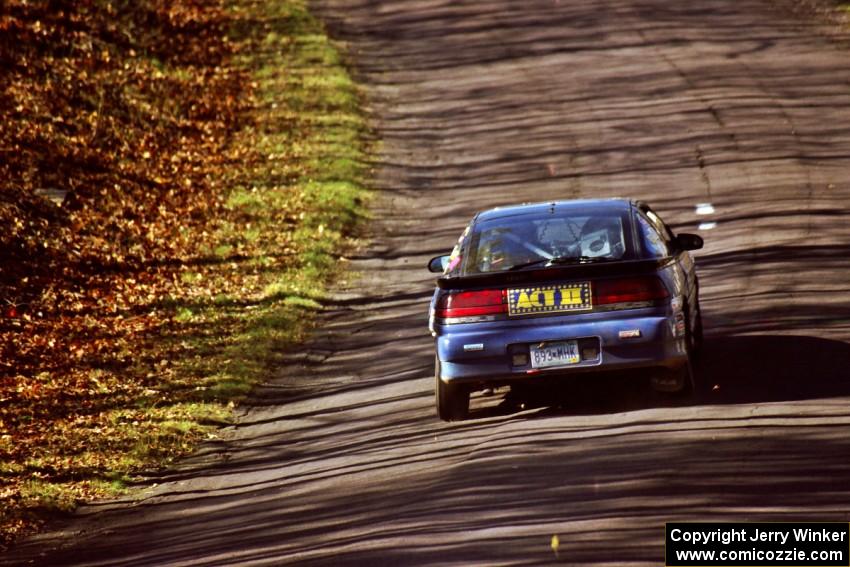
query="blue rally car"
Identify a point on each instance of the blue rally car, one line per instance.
(547, 290)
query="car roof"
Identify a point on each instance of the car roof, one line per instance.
(576, 206)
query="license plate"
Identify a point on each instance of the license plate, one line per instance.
(554, 354)
(549, 299)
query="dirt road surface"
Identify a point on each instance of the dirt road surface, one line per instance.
(341, 460)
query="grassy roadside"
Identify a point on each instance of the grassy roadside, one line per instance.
(292, 214)
(276, 203)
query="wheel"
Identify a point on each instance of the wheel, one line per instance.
(452, 399)
(677, 382)
(696, 337)
(680, 382)
(696, 334)
(678, 388)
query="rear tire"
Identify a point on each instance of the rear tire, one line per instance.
(681, 382)
(673, 383)
(452, 400)
(696, 337)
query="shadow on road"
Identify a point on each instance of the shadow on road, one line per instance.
(747, 369)
(773, 368)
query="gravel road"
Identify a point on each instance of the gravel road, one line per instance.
(340, 460)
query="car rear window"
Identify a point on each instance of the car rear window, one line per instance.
(500, 244)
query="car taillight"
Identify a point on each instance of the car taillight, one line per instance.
(629, 290)
(472, 303)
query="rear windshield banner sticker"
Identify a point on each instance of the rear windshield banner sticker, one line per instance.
(547, 299)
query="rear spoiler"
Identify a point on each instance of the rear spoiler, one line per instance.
(555, 273)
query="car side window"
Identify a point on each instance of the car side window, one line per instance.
(456, 257)
(653, 241)
(659, 225)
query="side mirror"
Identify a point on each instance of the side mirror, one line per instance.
(685, 241)
(438, 265)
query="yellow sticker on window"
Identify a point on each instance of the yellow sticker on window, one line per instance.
(549, 299)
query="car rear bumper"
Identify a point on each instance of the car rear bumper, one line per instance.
(482, 353)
